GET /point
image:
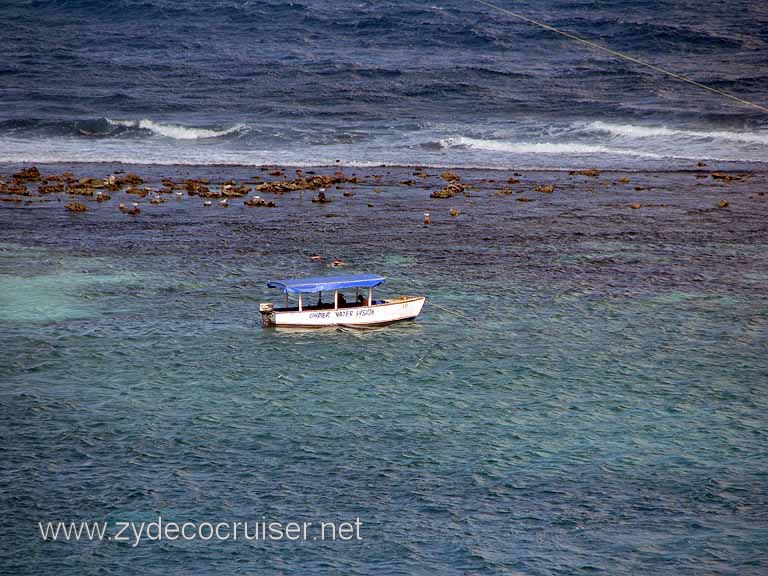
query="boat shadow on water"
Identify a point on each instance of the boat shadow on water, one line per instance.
(402, 328)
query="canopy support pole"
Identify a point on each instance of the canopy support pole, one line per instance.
(301, 303)
(335, 299)
(286, 299)
(370, 296)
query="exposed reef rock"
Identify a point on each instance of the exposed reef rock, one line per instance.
(449, 191)
(313, 183)
(260, 203)
(76, 207)
(231, 190)
(590, 172)
(321, 198)
(130, 179)
(27, 175)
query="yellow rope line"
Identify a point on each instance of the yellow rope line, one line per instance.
(454, 312)
(622, 55)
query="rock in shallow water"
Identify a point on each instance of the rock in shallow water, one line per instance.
(76, 207)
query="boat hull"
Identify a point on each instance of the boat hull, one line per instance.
(386, 312)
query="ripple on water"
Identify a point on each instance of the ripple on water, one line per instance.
(565, 427)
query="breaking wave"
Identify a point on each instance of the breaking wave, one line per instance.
(530, 143)
(176, 131)
(573, 149)
(634, 131)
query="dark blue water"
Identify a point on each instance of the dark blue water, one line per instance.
(446, 83)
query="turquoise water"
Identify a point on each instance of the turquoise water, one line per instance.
(600, 409)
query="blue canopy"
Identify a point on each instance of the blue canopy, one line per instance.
(327, 283)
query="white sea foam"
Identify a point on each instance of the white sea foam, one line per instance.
(176, 131)
(555, 149)
(565, 148)
(171, 158)
(636, 131)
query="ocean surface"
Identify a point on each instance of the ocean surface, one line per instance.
(437, 83)
(586, 391)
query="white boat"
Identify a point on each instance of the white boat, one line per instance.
(362, 310)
